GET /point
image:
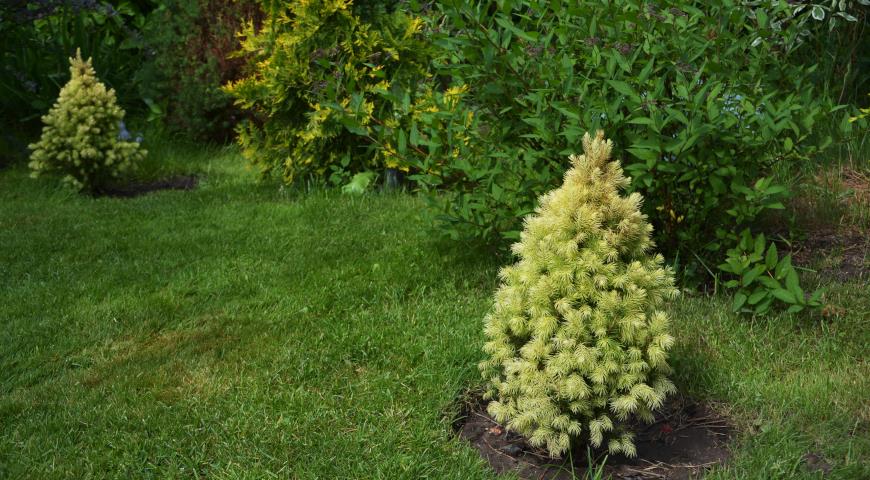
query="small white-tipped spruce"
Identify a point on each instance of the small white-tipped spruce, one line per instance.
(576, 342)
(80, 135)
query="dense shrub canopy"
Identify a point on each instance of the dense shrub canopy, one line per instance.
(325, 85)
(702, 97)
(576, 342)
(81, 136)
(191, 47)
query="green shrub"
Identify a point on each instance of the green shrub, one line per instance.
(576, 342)
(80, 138)
(329, 80)
(760, 278)
(703, 98)
(190, 46)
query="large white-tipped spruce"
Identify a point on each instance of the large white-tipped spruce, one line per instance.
(576, 341)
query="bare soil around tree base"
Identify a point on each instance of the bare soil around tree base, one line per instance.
(686, 439)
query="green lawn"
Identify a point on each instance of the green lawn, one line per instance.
(241, 331)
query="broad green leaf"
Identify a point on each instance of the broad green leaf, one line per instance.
(791, 281)
(751, 275)
(759, 245)
(644, 154)
(642, 121)
(795, 308)
(402, 142)
(739, 300)
(757, 296)
(784, 295)
(769, 282)
(783, 267)
(359, 183)
(624, 89)
(772, 257)
(764, 306)
(647, 69)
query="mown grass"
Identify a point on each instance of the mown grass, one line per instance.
(243, 331)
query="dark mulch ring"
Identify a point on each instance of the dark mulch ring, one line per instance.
(180, 182)
(687, 438)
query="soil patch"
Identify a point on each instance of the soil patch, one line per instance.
(687, 438)
(839, 255)
(181, 182)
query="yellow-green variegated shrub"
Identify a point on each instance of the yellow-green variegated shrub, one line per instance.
(576, 340)
(80, 138)
(331, 88)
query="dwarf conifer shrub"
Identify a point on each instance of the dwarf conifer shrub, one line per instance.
(80, 138)
(576, 342)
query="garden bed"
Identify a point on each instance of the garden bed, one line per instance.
(179, 182)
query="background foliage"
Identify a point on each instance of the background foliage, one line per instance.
(166, 59)
(702, 100)
(325, 80)
(39, 37)
(189, 47)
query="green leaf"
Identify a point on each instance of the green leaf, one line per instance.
(359, 183)
(624, 89)
(751, 275)
(793, 285)
(757, 296)
(784, 295)
(509, 26)
(647, 69)
(642, 121)
(759, 245)
(644, 154)
(772, 257)
(402, 142)
(791, 280)
(783, 267)
(739, 300)
(795, 308)
(770, 283)
(761, 16)
(764, 306)
(414, 134)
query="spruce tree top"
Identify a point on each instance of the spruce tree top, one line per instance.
(576, 340)
(80, 135)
